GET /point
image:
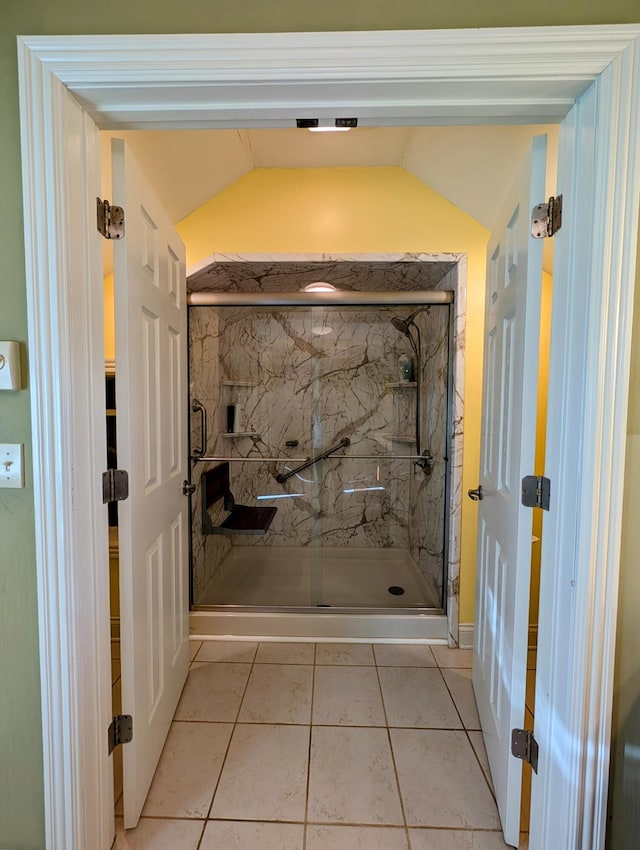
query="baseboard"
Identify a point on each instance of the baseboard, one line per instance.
(465, 635)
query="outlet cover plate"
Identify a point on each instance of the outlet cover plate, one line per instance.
(11, 465)
(10, 378)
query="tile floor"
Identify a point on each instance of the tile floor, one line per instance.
(302, 746)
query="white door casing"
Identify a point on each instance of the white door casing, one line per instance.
(509, 404)
(152, 77)
(151, 388)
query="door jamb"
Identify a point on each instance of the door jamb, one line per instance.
(63, 308)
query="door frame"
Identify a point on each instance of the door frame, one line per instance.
(523, 75)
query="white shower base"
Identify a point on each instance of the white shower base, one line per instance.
(301, 577)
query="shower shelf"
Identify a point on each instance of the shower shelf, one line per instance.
(399, 438)
(229, 435)
(404, 385)
(238, 384)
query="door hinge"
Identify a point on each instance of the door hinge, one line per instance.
(524, 746)
(120, 731)
(536, 492)
(546, 219)
(115, 485)
(110, 220)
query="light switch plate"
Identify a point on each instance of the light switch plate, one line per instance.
(11, 465)
(10, 378)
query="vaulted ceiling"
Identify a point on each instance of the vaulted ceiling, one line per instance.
(473, 167)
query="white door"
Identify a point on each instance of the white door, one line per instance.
(151, 386)
(512, 322)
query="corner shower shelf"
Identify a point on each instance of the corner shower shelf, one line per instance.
(399, 438)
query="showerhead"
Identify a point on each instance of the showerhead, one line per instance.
(401, 325)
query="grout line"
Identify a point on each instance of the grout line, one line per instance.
(451, 697)
(233, 730)
(204, 826)
(393, 755)
(306, 802)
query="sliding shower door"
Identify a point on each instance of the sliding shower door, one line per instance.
(337, 418)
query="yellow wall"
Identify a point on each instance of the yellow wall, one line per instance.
(541, 435)
(357, 210)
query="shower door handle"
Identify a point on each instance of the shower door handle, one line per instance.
(198, 407)
(475, 495)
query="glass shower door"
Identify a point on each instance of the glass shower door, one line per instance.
(317, 416)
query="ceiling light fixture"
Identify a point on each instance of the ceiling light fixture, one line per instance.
(338, 125)
(319, 286)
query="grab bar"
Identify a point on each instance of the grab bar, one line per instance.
(284, 476)
(198, 407)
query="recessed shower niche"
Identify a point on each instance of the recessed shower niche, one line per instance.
(321, 434)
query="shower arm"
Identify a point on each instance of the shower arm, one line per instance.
(284, 476)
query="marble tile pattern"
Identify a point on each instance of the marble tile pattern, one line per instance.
(374, 755)
(296, 384)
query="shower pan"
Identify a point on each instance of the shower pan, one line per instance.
(320, 462)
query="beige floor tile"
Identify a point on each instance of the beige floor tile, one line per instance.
(403, 655)
(265, 774)
(451, 839)
(344, 653)
(164, 834)
(251, 835)
(194, 646)
(440, 780)
(241, 651)
(188, 770)
(352, 778)
(356, 838)
(447, 657)
(278, 693)
(418, 697)
(459, 683)
(213, 692)
(347, 696)
(477, 742)
(275, 652)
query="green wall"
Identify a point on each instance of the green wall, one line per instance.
(21, 798)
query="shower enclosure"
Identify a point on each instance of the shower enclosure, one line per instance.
(320, 443)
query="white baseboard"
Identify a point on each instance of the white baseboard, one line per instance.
(465, 636)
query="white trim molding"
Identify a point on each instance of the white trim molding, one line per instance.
(586, 439)
(460, 76)
(269, 80)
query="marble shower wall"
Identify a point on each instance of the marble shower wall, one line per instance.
(427, 492)
(317, 375)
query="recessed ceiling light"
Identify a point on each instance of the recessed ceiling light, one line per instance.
(319, 286)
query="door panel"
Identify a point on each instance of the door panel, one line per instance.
(512, 320)
(151, 380)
